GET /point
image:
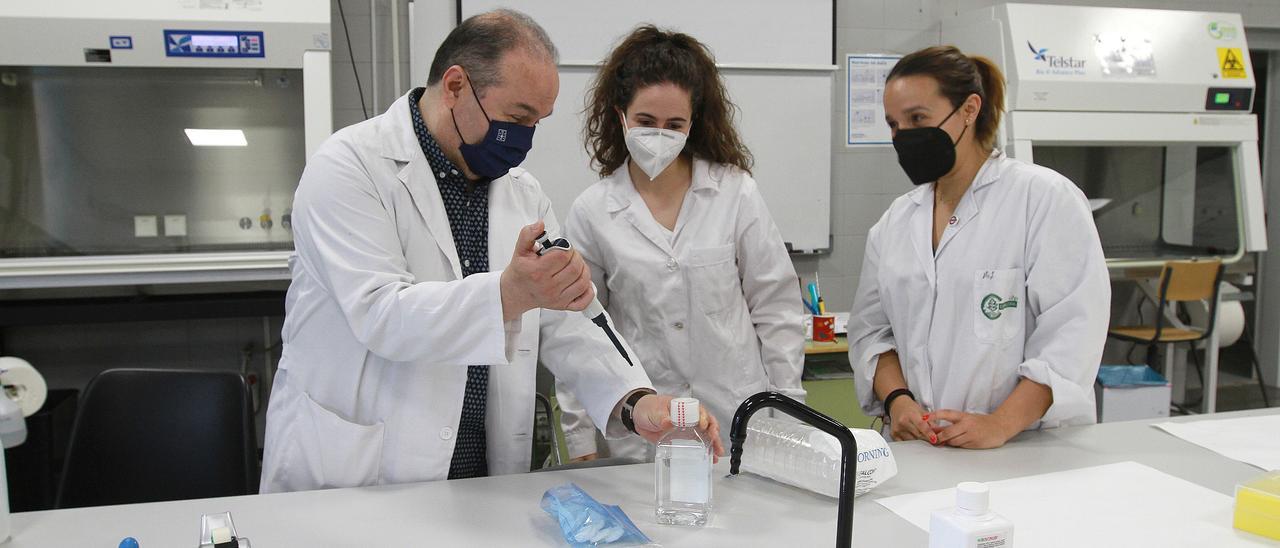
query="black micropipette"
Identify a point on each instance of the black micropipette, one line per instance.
(594, 311)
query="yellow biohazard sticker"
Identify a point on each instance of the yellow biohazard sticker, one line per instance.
(1231, 62)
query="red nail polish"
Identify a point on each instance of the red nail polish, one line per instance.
(933, 438)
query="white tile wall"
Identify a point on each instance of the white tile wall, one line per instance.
(910, 14)
(860, 14)
(346, 97)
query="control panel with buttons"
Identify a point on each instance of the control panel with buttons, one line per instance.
(214, 43)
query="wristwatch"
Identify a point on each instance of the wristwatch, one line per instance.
(628, 409)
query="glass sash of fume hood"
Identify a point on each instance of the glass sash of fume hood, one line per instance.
(1155, 202)
(99, 162)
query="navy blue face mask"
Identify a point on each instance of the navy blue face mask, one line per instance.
(504, 146)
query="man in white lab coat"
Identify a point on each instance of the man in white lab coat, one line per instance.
(419, 309)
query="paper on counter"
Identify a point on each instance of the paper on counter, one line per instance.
(1251, 440)
(1122, 504)
(842, 323)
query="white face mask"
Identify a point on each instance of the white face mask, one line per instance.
(652, 148)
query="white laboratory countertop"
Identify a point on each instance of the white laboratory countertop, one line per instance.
(749, 511)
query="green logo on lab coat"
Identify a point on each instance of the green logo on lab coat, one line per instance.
(992, 304)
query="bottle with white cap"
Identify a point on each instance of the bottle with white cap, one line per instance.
(683, 469)
(971, 524)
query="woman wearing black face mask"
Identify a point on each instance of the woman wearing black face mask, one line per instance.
(982, 307)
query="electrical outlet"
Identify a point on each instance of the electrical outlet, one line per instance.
(144, 226)
(175, 225)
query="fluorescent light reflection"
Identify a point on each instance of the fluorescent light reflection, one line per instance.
(216, 137)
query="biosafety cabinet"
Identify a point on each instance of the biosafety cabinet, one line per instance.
(1148, 111)
(156, 141)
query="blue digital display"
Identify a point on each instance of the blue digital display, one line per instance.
(214, 43)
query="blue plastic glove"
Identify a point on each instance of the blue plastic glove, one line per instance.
(585, 522)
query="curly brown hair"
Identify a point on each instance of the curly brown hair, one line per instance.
(650, 56)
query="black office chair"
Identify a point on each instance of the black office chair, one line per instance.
(148, 435)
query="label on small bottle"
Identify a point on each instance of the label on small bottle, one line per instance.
(689, 475)
(991, 540)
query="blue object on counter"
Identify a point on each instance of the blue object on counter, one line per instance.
(585, 522)
(129, 542)
(811, 308)
(1116, 376)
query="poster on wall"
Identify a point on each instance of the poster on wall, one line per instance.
(864, 121)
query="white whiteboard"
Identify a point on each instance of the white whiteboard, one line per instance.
(782, 86)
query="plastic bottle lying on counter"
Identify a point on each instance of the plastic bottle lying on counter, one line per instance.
(801, 455)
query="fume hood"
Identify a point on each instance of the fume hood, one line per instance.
(154, 141)
(1148, 111)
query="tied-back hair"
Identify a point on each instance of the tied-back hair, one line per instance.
(650, 56)
(959, 76)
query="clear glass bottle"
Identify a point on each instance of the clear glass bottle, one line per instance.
(682, 469)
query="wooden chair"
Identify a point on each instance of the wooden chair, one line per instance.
(1180, 281)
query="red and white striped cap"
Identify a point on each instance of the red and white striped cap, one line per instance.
(684, 412)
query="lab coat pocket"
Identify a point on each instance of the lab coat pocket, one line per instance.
(350, 454)
(713, 277)
(998, 305)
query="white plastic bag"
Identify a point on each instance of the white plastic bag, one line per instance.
(801, 455)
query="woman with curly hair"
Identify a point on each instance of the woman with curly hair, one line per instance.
(682, 249)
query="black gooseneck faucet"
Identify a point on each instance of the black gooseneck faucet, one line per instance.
(848, 449)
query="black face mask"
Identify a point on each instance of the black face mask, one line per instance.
(927, 153)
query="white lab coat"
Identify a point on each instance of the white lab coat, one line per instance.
(712, 308)
(1020, 232)
(380, 326)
